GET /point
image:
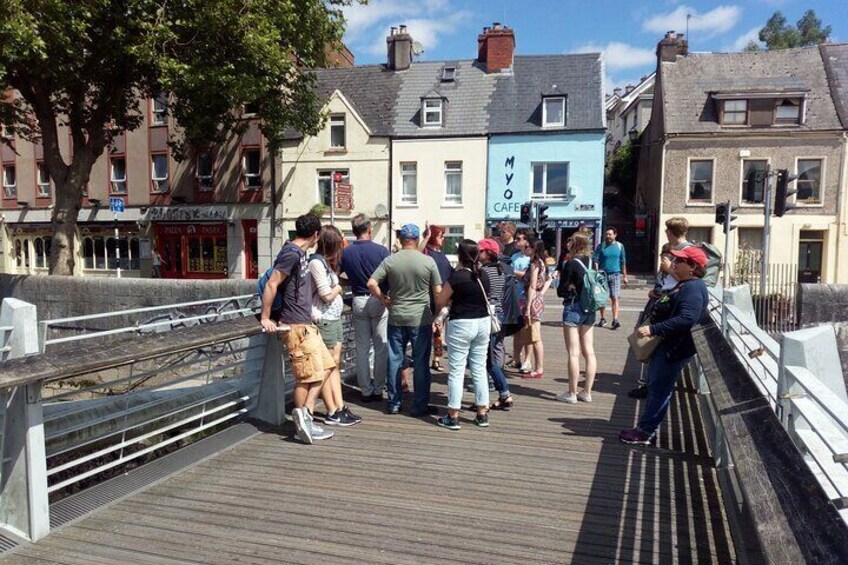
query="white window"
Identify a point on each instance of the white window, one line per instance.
(809, 181)
(409, 183)
(249, 110)
(102, 253)
(41, 246)
(735, 112)
(204, 171)
(325, 184)
(453, 182)
(432, 112)
(550, 181)
(43, 181)
(448, 74)
(788, 111)
(251, 164)
(554, 112)
(118, 176)
(159, 172)
(337, 131)
(753, 195)
(159, 113)
(453, 235)
(10, 181)
(701, 181)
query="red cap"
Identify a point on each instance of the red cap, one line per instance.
(489, 244)
(693, 253)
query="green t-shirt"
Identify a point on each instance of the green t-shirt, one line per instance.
(411, 276)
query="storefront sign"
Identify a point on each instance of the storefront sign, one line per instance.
(192, 229)
(185, 213)
(344, 196)
(574, 224)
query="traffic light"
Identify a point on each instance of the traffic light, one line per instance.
(541, 217)
(783, 192)
(724, 216)
(526, 213)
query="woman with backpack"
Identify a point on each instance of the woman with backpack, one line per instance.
(327, 306)
(577, 325)
(536, 283)
(467, 292)
(496, 272)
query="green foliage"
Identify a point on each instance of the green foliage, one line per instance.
(778, 34)
(622, 166)
(319, 209)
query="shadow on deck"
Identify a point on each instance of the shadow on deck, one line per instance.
(546, 483)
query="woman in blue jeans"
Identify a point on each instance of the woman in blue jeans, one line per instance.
(672, 318)
(468, 333)
(496, 273)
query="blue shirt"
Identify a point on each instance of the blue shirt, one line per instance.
(359, 261)
(610, 257)
(520, 263)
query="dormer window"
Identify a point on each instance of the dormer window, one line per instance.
(448, 74)
(788, 111)
(432, 112)
(553, 111)
(734, 112)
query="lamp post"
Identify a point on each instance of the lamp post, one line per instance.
(633, 134)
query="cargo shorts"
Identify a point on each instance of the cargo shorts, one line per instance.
(310, 358)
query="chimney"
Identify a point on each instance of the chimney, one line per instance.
(399, 46)
(617, 91)
(629, 88)
(496, 47)
(672, 45)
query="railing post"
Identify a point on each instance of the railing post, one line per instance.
(24, 506)
(271, 402)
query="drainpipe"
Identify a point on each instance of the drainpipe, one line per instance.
(841, 266)
(391, 204)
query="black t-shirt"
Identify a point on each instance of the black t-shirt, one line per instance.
(468, 301)
(297, 286)
(509, 249)
(572, 277)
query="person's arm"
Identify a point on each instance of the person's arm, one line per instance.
(623, 260)
(274, 281)
(435, 278)
(373, 285)
(531, 288)
(443, 297)
(547, 285)
(688, 314)
(322, 282)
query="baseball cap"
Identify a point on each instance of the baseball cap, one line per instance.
(489, 244)
(410, 231)
(693, 253)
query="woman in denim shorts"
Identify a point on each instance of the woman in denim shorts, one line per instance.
(577, 324)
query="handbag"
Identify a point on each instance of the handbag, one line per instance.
(493, 317)
(643, 347)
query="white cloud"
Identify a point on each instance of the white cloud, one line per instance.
(715, 22)
(619, 55)
(743, 40)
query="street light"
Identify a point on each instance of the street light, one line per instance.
(633, 134)
(94, 202)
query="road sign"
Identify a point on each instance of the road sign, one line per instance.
(338, 177)
(116, 205)
(344, 196)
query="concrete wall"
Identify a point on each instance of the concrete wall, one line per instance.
(826, 303)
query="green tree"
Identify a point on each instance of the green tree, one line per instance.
(86, 64)
(778, 34)
(621, 169)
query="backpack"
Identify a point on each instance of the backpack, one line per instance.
(277, 305)
(595, 293)
(513, 320)
(711, 271)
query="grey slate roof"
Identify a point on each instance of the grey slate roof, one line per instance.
(517, 102)
(836, 62)
(688, 82)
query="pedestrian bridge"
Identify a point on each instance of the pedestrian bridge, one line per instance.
(546, 483)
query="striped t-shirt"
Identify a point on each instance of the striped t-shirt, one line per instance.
(496, 284)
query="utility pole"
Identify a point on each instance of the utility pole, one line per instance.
(767, 204)
(725, 280)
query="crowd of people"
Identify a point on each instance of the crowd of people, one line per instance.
(410, 305)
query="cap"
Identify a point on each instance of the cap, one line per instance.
(489, 244)
(693, 253)
(410, 231)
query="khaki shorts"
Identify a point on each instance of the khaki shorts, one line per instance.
(310, 359)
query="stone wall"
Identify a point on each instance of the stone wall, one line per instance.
(826, 303)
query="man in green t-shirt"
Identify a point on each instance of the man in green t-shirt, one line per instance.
(412, 276)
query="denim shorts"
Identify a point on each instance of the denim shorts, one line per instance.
(573, 315)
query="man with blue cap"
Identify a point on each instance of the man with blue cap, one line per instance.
(412, 276)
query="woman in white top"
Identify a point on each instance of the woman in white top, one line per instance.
(327, 306)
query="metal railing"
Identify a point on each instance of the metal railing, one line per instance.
(776, 309)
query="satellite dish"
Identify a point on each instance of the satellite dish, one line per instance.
(381, 211)
(417, 48)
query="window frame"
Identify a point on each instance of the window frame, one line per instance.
(38, 184)
(450, 171)
(198, 179)
(724, 112)
(403, 201)
(343, 126)
(689, 201)
(7, 194)
(803, 203)
(319, 193)
(127, 259)
(545, 195)
(245, 175)
(449, 235)
(155, 182)
(113, 181)
(787, 121)
(448, 73)
(561, 99)
(742, 202)
(441, 111)
(155, 114)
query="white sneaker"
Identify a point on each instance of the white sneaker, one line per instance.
(584, 396)
(567, 397)
(319, 433)
(303, 425)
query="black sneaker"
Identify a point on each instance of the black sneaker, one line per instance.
(448, 423)
(639, 392)
(602, 323)
(615, 324)
(346, 411)
(482, 421)
(339, 418)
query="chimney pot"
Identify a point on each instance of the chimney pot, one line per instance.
(402, 28)
(617, 90)
(394, 31)
(496, 47)
(496, 26)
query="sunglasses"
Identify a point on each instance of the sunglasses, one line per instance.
(687, 261)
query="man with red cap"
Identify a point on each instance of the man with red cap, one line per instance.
(671, 319)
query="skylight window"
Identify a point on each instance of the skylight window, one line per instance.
(448, 74)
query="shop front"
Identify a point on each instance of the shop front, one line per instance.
(192, 250)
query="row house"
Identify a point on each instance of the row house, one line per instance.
(628, 113)
(717, 117)
(836, 64)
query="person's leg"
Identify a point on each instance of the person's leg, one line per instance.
(362, 329)
(396, 346)
(587, 346)
(438, 351)
(494, 359)
(572, 345)
(662, 376)
(478, 350)
(538, 349)
(312, 394)
(615, 308)
(459, 343)
(379, 321)
(333, 385)
(422, 341)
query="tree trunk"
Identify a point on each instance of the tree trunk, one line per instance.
(64, 224)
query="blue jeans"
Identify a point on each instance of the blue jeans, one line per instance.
(421, 338)
(494, 361)
(662, 376)
(468, 343)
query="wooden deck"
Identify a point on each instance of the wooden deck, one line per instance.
(546, 483)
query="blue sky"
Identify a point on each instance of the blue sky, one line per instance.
(626, 30)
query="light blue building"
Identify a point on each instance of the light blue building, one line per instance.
(546, 143)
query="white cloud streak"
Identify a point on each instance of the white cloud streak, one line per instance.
(619, 55)
(743, 40)
(717, 21)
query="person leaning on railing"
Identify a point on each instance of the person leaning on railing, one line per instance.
(671, 320)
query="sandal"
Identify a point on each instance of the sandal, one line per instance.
(436, 366)
(502, 404)
(533, 375)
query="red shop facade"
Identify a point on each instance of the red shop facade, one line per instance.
(192, 250)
